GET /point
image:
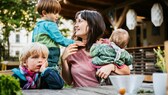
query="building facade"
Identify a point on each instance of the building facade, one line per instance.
(18, 40)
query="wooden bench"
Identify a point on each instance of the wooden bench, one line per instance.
(5, 65)
(6, 72)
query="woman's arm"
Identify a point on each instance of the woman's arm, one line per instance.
(106, 70)
(66, 72)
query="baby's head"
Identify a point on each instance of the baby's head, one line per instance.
(51, 7)
(33, 50)
(120, 37)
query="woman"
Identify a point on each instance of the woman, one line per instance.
(77, 69)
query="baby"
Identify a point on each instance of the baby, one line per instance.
(112, 51)
(33, 71)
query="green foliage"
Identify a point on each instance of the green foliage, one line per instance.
(16, 14)
(67, 86)
(9, 85)
(160, 59)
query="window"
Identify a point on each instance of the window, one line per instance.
(17, 38)
(17, 53)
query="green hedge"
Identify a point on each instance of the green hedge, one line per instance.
(9, 85)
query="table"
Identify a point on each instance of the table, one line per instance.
(101, 90)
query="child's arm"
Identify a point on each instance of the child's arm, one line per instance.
(56, 35)
(52, 78)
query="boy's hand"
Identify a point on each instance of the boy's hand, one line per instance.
(43, 67)
(79, 43)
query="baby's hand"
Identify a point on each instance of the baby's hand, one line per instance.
(103, 41)
(43, 67)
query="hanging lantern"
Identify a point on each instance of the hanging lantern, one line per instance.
(131, 19)
(157, 14)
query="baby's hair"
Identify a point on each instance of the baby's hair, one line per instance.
(32, 49)
(120, 37)
(50, 6)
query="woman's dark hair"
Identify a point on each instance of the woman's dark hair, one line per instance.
(96, 26)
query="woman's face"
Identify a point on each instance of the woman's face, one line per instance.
(35, 61)
(81, 28)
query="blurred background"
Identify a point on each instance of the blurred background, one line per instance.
(145, 20)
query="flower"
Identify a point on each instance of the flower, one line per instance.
(161, 63)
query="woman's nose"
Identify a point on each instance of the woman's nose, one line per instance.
(75, 27)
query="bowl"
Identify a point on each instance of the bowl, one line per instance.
(131, 83)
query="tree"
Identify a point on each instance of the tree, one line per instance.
(15, 14)
(18, 14)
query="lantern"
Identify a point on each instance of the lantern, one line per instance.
(131, 19)
(157, 14)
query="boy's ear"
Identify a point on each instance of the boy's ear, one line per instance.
(24, 63)
(44, 12)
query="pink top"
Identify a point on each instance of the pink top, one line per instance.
(83, 73)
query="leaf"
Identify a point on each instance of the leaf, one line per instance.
(160, 59)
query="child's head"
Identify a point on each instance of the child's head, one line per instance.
(34, 56)
(51, 7)
(120, 37)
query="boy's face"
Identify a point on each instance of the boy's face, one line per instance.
(35, 62)
(52, 16)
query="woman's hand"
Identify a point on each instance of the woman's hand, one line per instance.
(71, 49)
(105, 71)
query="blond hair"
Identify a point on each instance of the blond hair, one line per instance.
(32, 49)
(50, 6)
(120, 37)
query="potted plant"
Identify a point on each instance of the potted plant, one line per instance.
(160, 79)
(160, 61)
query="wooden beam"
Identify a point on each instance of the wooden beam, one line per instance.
(123, 4)
(113, 21)
(166, 2)
(67, 13)
(83, 5)
(99, 2)
(67, 3)
(122, 18)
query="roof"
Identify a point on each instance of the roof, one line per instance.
(142, 7)
(113, 11)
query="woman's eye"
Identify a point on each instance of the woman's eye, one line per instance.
(80, 20)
